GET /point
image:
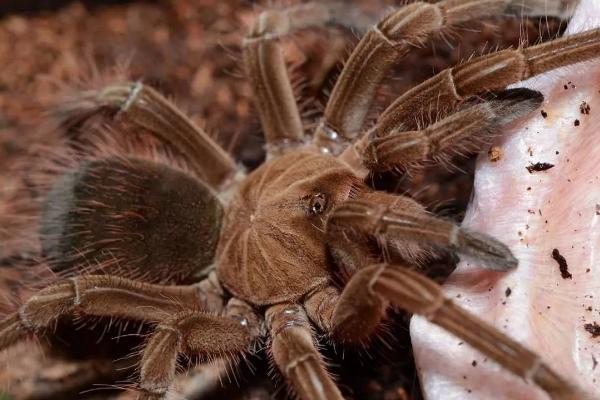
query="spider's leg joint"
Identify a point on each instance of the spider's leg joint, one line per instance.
(383, 36)
(330, 140)
(136, 89)
(281, 146)
(170, 329)
(453, 235)
(431, 310)
(299, 360)
(25, 321)
(380, 224)
(532, 371)
(76, 289)
(374, 279)
(283, 318)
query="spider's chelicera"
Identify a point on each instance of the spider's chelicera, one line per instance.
(297, 245)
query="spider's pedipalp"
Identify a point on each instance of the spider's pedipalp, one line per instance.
(418, 294)
(383, 215)
(148, 109)
(464, 132)
(353, 315)
(390, 40)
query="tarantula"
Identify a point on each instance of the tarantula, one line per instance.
(302, 242)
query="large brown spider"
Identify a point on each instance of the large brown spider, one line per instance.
(302, 242)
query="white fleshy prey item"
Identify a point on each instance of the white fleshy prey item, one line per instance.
(533, 213)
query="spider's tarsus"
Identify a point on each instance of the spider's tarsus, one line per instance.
(512, 104)
(493, 254)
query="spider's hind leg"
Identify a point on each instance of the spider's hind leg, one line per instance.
(147, 109)
(104, 296)
(195, 334)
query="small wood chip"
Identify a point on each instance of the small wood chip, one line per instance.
(495, 153)
(539, 166)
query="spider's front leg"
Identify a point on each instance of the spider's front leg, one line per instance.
(265, 65)
(106, 296)
(445, 90)
(353, 314)
(494, 71)
(463, 132)
(391, 39)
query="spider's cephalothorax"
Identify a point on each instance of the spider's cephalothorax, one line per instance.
(302, 219)
(272, 246)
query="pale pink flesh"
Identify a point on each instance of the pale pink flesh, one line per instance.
(533, 214)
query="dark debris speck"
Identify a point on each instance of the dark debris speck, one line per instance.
(562, 264)
(584, 108)
(593, 329)
(539, 166)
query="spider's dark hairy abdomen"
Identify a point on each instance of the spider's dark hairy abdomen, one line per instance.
(146, 218)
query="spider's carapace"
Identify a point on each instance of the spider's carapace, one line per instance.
(273, 246)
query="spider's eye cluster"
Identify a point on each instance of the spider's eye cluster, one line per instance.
(315, 203)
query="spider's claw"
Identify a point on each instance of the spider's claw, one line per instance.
(493, 254)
